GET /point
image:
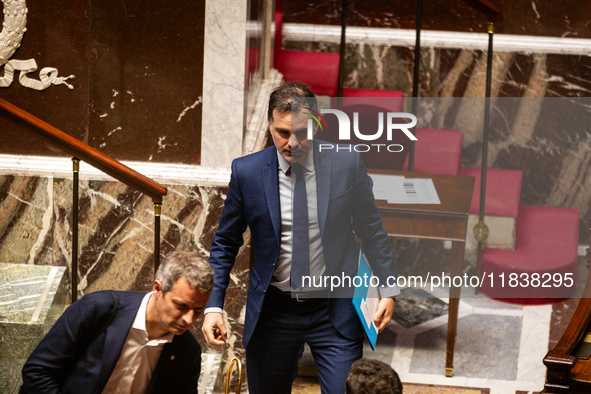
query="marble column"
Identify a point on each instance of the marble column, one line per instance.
(223, 82)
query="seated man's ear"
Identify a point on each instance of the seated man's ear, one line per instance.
(157, 287)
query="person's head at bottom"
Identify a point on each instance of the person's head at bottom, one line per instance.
(372, 377)
(181, 290)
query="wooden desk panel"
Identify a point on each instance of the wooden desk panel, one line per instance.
(411, 225)
(445, 221)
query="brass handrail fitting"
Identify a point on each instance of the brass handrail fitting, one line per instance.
(75, 164)
(157, 209)
(229, 375)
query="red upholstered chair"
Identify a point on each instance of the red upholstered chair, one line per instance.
(503, 191)
(319, 70)
(437, 151)
(547, 242)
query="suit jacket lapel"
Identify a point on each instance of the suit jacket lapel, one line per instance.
(271, 186)
(116, 335)
(323, 173)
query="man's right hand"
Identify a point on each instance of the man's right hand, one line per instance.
(214, 329)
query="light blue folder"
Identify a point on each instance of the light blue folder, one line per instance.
(360, 298)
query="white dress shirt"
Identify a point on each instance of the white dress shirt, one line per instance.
(280, 277)
(138, 357)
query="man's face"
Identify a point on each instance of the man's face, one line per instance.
(290, 134)
(180, 306)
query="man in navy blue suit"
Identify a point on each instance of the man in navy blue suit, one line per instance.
(146, 348)
(282, 313)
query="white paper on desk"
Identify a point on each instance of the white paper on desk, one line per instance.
(416, 191)
(386, 186)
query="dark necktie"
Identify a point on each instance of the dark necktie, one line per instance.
(300, 252)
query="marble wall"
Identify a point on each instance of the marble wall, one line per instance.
(116, 236)
(33, 297)
(535, 17)
(138, 68)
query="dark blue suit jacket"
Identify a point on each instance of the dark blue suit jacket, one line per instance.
(71, 359)
(345, 204)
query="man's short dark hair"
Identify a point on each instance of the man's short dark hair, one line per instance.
(287, 94)
(372, 377)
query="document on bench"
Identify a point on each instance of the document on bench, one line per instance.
(397, 189)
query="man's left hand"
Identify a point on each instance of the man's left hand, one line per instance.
(384, 314)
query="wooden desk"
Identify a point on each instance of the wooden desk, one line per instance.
(445, 221)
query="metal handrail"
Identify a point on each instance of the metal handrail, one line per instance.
(81, 151)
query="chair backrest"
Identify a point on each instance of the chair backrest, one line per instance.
(317, 69)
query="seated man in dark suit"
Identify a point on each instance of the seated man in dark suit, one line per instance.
(146, 347)
(372, 377)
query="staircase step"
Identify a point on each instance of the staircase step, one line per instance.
(319, 70)
(547, 240)
(503, 191)
(437, 151)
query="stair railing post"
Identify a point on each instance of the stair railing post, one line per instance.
(481, 229)
(75, 191)
(415, 81)
(157, 213)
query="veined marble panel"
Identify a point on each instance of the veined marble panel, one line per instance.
(32, 297)
(26, 216)
(223, 82)
(539, 17)
(27, 292)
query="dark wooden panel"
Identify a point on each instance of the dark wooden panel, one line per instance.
(146, 69)
(138, 67)
(56, 36)
(431, 226)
